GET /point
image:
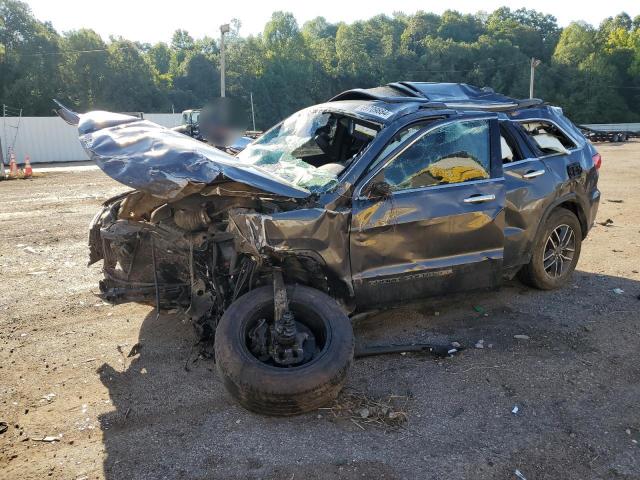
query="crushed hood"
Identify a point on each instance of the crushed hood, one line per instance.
(167, 164)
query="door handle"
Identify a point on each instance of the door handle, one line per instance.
(479, 198)
(533, 174)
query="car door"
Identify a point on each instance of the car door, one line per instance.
(529, 187)
(536, 181)
(429, 219)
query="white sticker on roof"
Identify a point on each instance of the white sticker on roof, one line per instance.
(375, 111)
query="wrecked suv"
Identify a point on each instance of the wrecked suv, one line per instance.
(377, 197)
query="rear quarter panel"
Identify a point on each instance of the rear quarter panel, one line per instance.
(530, 203)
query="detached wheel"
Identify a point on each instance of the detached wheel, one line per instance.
(555, 252)
(264, 386)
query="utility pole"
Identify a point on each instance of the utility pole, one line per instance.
(534, 63)
(2, 171)
(223, 29)
(253, 114)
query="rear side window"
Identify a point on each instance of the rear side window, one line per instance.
(549, 139)
(453, 153)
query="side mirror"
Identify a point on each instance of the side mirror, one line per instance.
(378, 190)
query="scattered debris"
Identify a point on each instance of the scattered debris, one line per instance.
(519, 474)
(49, 397)
(30, 250)
(389, 413)
(38, 272)
(135, 350)
(439, 350)
(47, 439)
(521, 337)
(3, 427)
(606, 223)
(615, 201)
(480, 344)
(515, 409)
(124, 358)
(480, 310)
(618, 291)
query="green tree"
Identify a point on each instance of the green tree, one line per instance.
(593, 73)
(29, 70)
(84, 69)
(130, 84)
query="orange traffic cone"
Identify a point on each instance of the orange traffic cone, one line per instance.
(13, 167)
(28, 171)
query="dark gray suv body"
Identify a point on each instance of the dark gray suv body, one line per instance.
(376, 197)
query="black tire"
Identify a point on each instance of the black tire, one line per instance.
(273, 390)
(534, 273)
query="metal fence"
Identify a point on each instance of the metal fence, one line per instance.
(50, 139)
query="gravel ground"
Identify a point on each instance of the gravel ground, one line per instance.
(65, 373)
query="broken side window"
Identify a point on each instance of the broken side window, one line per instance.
(452, 153)
(549, 139)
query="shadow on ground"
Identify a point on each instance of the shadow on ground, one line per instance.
(575, 381)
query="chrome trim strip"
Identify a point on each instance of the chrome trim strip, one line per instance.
(518, 162)
(438, 187)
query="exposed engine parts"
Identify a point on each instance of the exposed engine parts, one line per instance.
(200, 254)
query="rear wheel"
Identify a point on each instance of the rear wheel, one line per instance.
(555, 252)
(262, 384)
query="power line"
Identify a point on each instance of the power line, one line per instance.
(64, 52)
(475, 68)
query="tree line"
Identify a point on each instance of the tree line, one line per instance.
(592, 72)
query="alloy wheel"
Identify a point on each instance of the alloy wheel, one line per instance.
(559, 250)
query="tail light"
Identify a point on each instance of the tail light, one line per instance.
(597, 161)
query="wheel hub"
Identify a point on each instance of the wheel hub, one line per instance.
(269, 346)
(559, 250)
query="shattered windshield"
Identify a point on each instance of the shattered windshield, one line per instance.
(310, 148)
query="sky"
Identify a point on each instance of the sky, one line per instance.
(152, 20)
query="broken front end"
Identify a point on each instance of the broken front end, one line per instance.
(187, 255)
(238, 245)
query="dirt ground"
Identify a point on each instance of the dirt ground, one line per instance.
(65, 373)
